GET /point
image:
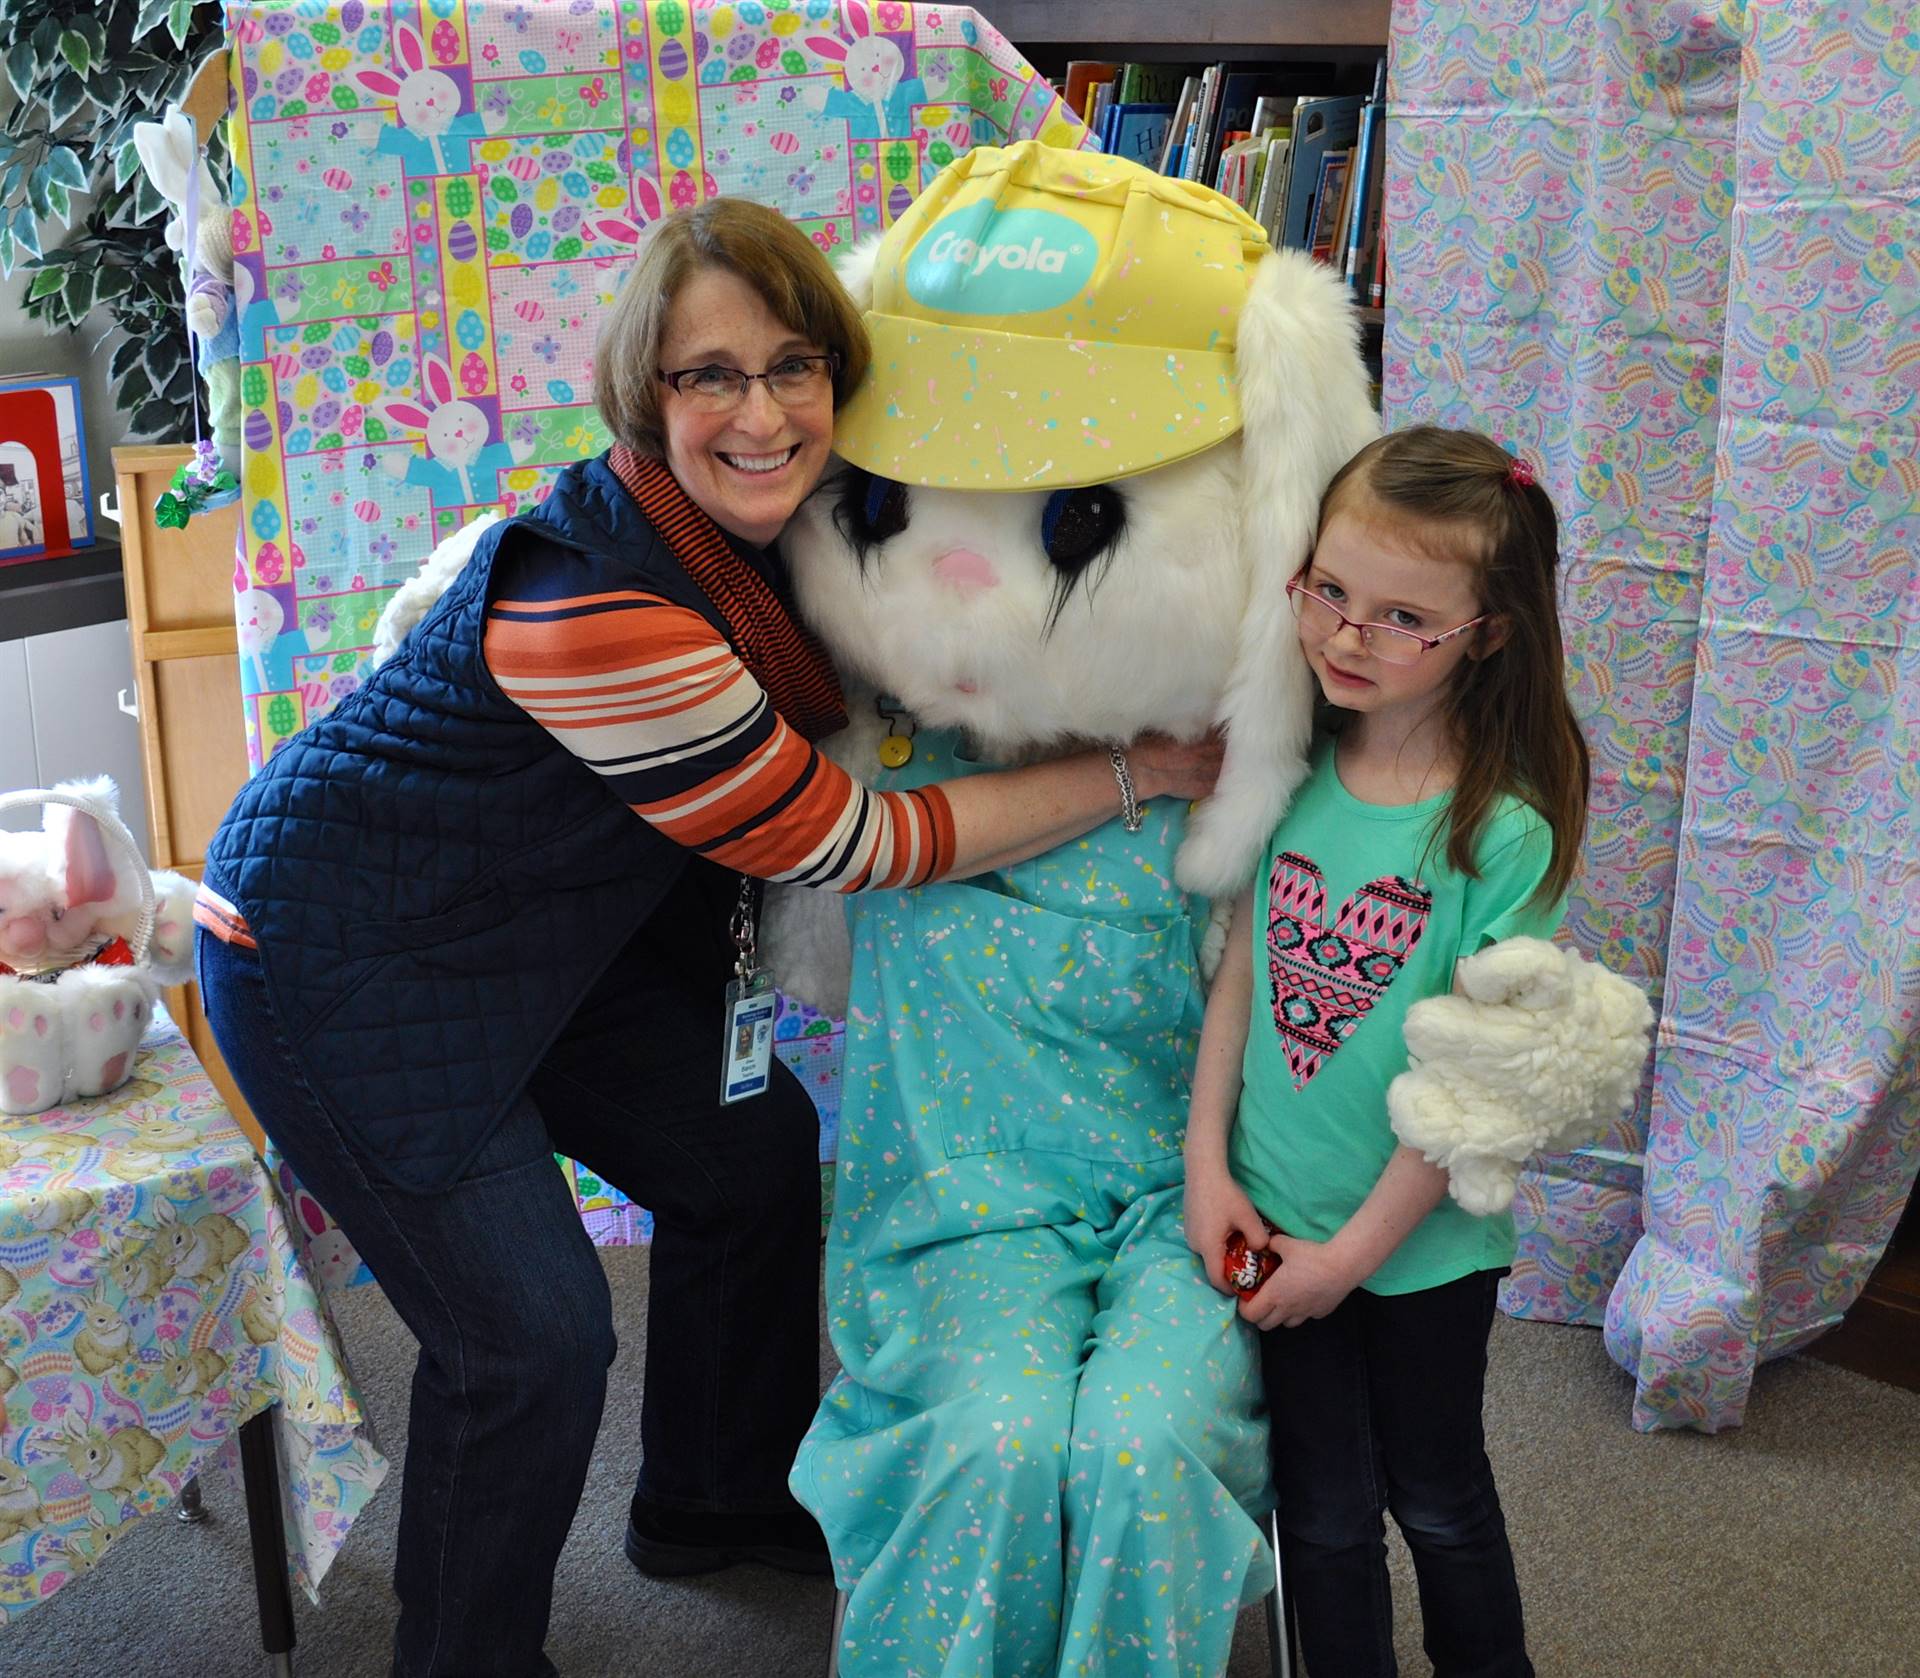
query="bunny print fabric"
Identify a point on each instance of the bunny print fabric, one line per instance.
(153, 1296)
(433, 210)
(1041, 1453)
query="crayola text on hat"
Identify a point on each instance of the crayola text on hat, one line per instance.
(1048, 318)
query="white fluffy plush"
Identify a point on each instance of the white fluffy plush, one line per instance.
(65, 893)
(1538, 1051)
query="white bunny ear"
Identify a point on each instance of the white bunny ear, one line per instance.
(166, 152)
(169, 152)
(855, 268)
(1304, 413)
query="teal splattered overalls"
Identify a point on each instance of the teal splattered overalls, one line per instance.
(1042, 1450)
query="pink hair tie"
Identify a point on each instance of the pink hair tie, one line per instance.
(1520, 473)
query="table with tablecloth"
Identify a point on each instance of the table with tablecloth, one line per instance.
(154, 1296)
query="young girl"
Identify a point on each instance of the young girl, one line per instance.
(1442, 813)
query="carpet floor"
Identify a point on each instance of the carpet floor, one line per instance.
(1789, 1548)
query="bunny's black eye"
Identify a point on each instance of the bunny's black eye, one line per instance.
(871, 510)
(1077, 528)
(1078, 525)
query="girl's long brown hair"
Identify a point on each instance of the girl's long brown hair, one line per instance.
(1457, 494)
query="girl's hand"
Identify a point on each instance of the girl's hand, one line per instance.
(1164, 768)
(1216, 1206)
(1312, 1279)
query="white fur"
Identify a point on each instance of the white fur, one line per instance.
(1305, 412)
(1538, 1052)
(415, 597)
(1140, 645)
(803, 933)
(75, 1034)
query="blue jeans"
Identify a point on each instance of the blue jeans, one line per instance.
(1376, 1407)
(498, 1282)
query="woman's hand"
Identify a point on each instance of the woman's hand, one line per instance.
(1166, 768)
(1314, 1276)
(1216, 1206)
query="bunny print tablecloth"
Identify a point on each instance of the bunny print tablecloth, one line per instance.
(153, 1297)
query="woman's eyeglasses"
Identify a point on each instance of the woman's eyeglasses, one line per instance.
(1387, 642)
(795, 380)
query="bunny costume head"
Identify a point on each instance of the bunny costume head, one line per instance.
(1087, 459)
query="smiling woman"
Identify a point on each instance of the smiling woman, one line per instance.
(516, 963)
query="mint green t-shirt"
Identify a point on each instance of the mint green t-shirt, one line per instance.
(1357, 916)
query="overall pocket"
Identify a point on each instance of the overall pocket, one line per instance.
(1048, 1031)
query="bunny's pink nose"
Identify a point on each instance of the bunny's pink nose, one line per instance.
(965, 570)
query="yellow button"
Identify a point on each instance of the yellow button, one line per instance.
(895, 752)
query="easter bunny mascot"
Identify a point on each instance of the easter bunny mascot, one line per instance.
(1088, 457)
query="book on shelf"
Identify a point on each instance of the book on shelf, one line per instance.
(1320, 126)
(1270, 110)
(1099, 102)
(1237, 93)
(1368, 172)
(1177, 127)
(1326, 198)
(1273, 184)
(1082, 74)
(1151, 84)
(1193, 147)
(1137, 132)
(1369, 163)
(1307, 164)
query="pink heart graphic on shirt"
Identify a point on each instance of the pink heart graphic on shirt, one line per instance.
(1326, 979)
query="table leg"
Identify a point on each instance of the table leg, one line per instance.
(262, 1476)
(191, 1510)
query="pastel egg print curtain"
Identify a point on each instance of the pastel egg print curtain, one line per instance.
(1672, 255)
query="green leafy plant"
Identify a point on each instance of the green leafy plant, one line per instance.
(75, 208)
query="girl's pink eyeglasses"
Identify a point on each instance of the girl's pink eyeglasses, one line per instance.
(1387, 642)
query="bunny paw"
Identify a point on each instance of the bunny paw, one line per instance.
(30, 1051)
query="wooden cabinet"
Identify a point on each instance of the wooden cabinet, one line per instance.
(187, 676)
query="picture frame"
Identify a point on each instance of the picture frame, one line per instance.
(46, 489)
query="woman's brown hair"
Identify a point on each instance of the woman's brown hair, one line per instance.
(1462, 497)
(763, 248)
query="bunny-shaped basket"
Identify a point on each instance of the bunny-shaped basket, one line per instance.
(86, 942)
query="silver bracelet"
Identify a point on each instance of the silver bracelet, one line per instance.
(1130, 816)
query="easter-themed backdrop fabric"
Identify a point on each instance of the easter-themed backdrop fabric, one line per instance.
(1671, 254)
(433, 206)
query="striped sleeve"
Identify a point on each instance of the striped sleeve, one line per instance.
(647, 694)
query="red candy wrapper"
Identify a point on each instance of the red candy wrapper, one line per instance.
(1247, 1270)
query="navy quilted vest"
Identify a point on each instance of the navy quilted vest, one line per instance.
(433, 880)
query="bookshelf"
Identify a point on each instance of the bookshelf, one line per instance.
(1324, 49)
(1210, 29)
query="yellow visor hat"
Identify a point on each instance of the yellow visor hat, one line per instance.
(1045, 318)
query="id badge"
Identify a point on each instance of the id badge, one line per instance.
(747, 1060)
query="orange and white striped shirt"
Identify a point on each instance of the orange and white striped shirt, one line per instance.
(650, 695)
